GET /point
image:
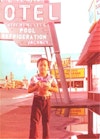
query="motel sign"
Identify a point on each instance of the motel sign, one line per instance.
(27, 21)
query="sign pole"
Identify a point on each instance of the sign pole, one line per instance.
(59, 63)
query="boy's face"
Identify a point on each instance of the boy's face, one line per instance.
(43, 67)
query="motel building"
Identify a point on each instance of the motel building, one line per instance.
(90, 57)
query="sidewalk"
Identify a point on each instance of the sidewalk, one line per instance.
(14, 124)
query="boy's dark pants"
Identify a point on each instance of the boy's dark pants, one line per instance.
(41, 106)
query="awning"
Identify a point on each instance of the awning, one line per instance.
(91, 50)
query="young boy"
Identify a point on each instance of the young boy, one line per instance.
(42, 85)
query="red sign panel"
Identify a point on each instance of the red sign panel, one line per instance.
(27, 21)
(29, 12)
(29, 36)
(34, 58)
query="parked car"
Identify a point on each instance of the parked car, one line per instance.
(2, 83)
(18, 84)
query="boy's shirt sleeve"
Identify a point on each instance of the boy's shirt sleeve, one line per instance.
(54, 82)
(33, 80)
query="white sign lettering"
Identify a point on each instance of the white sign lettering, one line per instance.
(38, 12)
(50, 13)
(9, 9)
(24, 11)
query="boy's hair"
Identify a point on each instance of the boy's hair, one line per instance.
(42, 59)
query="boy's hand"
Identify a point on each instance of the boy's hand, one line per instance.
(44, 87)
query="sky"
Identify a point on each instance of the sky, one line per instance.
(73, 30)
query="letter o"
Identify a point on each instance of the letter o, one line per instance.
(9, 7)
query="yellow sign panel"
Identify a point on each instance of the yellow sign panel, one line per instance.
(66, 62)
(70, 73)
(77, 111)
(73, 111)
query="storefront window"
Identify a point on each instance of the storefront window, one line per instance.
(96, 77)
